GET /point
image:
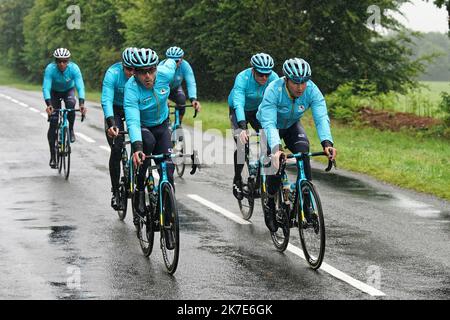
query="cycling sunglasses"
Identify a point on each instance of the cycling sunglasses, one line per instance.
(144, 71)
(300, 80)
(262, 75)
(64, 61)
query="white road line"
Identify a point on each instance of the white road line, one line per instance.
(34, 110)
(106, 148)
(14, 100)
(84, 137)
(220, 210)
(23, 104)
(340, 275)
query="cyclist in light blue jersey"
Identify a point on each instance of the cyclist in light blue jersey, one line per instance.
(244, 99)
(112, 103)
(61, 77)
(183, 72)
(284, 103)
(146, 114)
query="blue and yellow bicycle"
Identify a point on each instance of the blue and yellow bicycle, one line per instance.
(177, 137)
(298, 205)
(62, 144)
(161, 211)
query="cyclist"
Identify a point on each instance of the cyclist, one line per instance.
(112, 103)
(146, 114)
(244, 99)
(183, 72)
(284, 103)
(60, 79)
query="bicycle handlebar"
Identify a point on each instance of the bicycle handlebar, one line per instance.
(331, 163)
(67, 110)
(185, 106)
(166, 156)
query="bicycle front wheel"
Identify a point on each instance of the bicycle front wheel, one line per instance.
(280, 238)
(170, 233)
(58, 151)
(66, 153)
(247, 204)
(311, 225)
(123, 190)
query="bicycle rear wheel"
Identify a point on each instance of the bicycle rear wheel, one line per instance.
(280, 238)
(66, 153)
(170, 228)
(311, 225)
(247, 204)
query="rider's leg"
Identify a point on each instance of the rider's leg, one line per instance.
(297, 141)
(149, 142)
(115, 156)
(239, 158)
(70, 101)
(178, 96)
(164, 145)
(53, 127)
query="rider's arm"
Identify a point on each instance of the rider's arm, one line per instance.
(108, 97)
(47, 85)
(79, 84)
(320, 116)
(188, 75)
(267, 116)
(238, 101)
(132, 114)
(166, 71)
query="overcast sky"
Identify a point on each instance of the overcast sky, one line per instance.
(424, 16)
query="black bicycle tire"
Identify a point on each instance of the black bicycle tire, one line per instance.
(58, 152)
(281, 246)
(250, 200)
(67, 153)
(168, 192)
(314, 264)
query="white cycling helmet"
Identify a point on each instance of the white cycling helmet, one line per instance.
(127, 56)
(174, 53)
(296, 69)
(262, 62)
(61, 53)
(144, 58)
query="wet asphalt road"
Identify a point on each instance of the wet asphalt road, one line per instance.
(60, 239)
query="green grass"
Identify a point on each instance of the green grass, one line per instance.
(425, 100)
(399, 158)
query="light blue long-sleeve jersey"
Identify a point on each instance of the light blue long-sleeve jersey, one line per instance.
(279, 111)
(184, 72)
(62, 81)
(247, 94)
(113, 88)
(148, 107)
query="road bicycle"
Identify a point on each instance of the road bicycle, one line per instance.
(161, 214)
(177, 137)
(298, 205)
(62, 143)
(251, 179)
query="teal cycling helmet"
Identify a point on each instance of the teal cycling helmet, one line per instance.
(296, 69)
(262, 62)
(144, 58)
(127, 56)
(174, 53)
